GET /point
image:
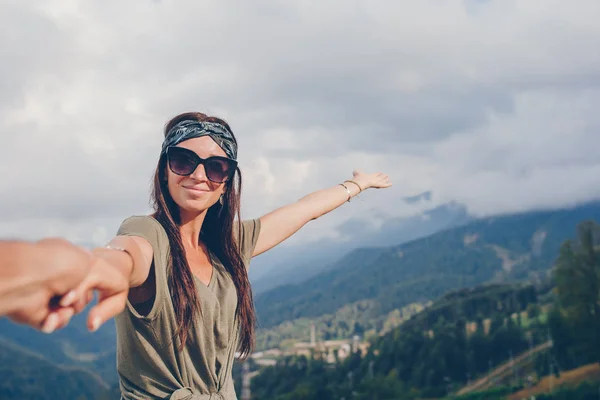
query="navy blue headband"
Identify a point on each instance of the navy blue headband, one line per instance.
(190, 129)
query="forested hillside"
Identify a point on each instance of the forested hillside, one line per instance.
(27, 375)
(467, 333)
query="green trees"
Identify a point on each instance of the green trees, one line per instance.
(575, 322)
(430, 355)
(436, 351)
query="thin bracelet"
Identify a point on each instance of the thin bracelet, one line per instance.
(359, 188)
(124, 250)
(347, 190)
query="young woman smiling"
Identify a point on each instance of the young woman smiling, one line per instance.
(188, 308)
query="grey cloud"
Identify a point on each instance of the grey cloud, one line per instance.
(419, 198)
(33, 46)
(469, 99)
(46, 175)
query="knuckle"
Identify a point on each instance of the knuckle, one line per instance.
(65, 255)
(29, 315)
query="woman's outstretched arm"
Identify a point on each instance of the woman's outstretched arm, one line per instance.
(283, 222)
(118, 271)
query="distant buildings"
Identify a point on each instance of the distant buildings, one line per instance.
(328, 350)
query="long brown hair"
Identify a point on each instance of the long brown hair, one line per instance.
(217, 233)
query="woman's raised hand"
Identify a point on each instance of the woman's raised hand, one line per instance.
(377, 180)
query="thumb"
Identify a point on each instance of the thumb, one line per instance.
(107, 308)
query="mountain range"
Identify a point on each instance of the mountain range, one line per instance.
(291, 264)
(495, 249)
(376, 279)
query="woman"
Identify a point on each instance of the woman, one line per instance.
(189, 306)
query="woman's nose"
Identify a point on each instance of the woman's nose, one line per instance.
(199, 173)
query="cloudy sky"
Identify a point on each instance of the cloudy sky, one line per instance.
(487, 103)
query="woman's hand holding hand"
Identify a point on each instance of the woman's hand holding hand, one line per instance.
(110, 280)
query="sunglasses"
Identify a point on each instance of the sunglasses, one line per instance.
(184, 162)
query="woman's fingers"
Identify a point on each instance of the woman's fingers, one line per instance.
(90, 297)
(83, 301)
(50, 323)
(68, 299)
(106, 309)
(103, 278)
(57, 319)
(112, 286)
(64, 316)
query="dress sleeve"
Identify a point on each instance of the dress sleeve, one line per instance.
(248, 238)
(151, 230)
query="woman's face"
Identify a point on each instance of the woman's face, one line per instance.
(195, 192)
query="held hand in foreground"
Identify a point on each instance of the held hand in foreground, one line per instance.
(37, 275)
(110, 280)
(376, 180)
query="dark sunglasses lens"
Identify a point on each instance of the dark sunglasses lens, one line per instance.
(218, 169)
(182, 161)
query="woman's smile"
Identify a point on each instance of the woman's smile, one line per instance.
(197, 190)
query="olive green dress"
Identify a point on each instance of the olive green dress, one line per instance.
(149, 364)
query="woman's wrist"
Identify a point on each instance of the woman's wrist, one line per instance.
(120, 258)
(359, 185)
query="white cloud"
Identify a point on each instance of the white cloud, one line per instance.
(491, 103)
